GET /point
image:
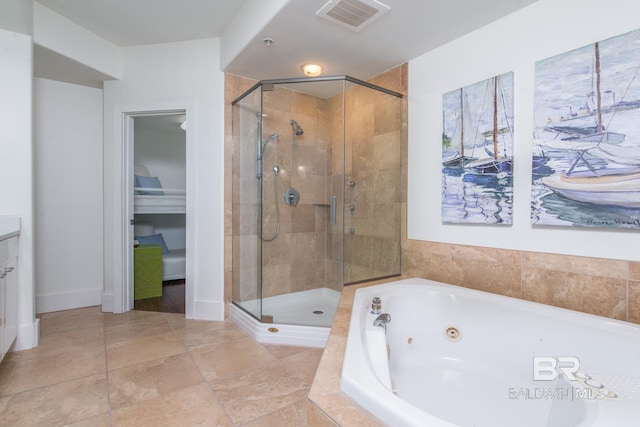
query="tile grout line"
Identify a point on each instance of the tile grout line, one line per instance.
(106, 367)
(204, 380)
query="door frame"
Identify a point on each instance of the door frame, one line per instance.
(123, 292)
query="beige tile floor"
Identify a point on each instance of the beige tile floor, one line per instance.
(152, 369)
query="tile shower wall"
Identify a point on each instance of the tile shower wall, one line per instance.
(599, 286)
(297, 259)
(372, 135)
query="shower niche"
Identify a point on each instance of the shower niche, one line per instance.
(316, 187)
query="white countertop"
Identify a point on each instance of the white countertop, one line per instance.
(9, 226)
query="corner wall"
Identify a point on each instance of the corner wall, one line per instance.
(172, 76)
(591, 270)
(68, 195)
(16, 161)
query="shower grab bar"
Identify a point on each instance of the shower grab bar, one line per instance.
(332, 215)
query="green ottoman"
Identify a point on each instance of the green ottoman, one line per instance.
(147, 273)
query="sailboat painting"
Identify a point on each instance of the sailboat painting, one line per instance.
(477, 152)
(587, 123)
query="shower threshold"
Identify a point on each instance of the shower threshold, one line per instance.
(299, 318)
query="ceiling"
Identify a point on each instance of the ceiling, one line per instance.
(409, 29)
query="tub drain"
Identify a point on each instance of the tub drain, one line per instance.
(318, 312)
(452, 333)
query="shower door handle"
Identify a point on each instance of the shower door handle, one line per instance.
(332, 214)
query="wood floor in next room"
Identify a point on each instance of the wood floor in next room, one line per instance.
(152, 369)
(171, 301)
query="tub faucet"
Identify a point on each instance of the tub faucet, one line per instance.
(382, 321)
(376, 305)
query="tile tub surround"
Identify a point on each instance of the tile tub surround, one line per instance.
(328, 407)
(156, 369)
(604, 287)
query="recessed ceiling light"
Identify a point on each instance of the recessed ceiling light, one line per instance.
(311, 70)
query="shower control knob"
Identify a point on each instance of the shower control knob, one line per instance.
(352, 208)
(291, 196)
(352, 184)
(352, 231)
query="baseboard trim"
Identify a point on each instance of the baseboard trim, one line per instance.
(28, 336)
(68, 300)
(208, 310)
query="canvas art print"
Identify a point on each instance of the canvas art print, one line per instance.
(477, 152)
(587, 136)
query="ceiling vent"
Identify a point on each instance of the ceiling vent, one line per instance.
(353, 14)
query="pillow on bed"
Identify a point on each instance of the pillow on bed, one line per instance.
(156, 239)
(149, 182)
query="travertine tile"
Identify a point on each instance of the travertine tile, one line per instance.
(317, 418)
(497, 278)
(344, 411)
(576, 264)
(420, 246)
(340, 326)
(304, 364)
(590, 294)
(193, 406)
(133, 316)
(197, 333)
(132, 352)
(56, 404)
(140, 328)
(248, 396)
(229, 358)
(86, 339)
(493, 255)
(70, 320)
(634, 270)
(102, 420)
(149, 380)
(276, 280)
(284, 351)
(436, 267)
(330, 368)
(292, 415)
(7, 368)
(634, 302)
(58, 367)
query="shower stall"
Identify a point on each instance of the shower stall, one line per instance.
(316, 201)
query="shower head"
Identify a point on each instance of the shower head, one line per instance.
(273, 136)
(264, 143)
(296, 127)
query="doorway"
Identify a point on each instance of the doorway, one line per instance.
(156, 241)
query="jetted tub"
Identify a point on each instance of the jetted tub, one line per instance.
(453, 356)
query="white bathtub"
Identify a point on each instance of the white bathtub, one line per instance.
(486, 378)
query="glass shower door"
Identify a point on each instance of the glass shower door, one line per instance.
(247, 251)
(373, 189)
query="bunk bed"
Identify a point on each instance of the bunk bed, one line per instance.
(151, 198)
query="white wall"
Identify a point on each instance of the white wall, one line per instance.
(68, 195)
(164, 154)
(16, 151)
(63, 36)
(184, 75)
(514, 43)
